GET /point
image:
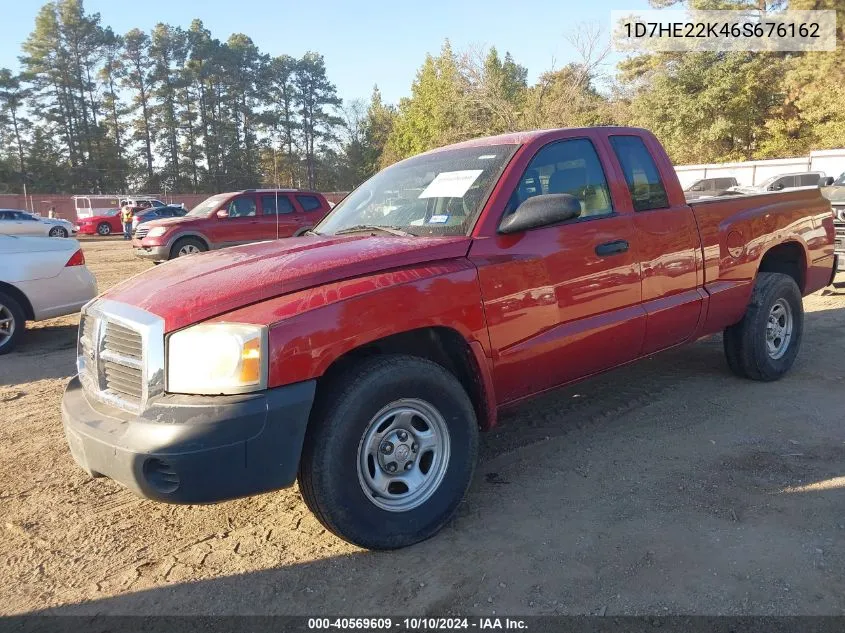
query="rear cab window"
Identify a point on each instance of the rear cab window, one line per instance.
(641, 173)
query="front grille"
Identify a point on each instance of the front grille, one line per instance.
(839, 243)
(124, 341)
(122, 380)
(141, 232)
(120, 354)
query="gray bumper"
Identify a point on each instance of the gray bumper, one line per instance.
(192, 449)
(153, 253)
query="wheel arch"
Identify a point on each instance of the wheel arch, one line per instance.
(20, 297)
(789, 258)
(440, 344)
(198, 236)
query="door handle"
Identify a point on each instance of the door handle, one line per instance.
(612, 248)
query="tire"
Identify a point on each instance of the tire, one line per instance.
(763, 346)
(58, 231)
(104, 228)
(351, 409)
(187, 246)
(12, 323)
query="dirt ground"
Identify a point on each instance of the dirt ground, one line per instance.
(669, 486)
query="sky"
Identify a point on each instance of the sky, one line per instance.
(364, 42)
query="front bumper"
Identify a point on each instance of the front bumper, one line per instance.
(153, 253)
(192, 449)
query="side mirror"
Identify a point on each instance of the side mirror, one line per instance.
(827, 182)
(542, 210)
(222, 214)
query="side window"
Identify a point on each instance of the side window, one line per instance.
(647, 190)
(5, 215)
(242, 207)
(309, 203)
(276, 205)
(571, 167)
(809, 180)
(723, 183)
(783, 183)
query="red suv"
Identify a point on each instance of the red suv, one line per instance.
(229, 219)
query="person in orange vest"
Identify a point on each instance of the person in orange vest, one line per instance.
(126, 217)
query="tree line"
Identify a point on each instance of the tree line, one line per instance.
(179, 110)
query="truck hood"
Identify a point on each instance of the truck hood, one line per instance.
(171, 221)
(190, 289)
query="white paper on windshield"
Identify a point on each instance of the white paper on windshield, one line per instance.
(451, 184)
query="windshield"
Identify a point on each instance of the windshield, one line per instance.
(204, 208)
(432, 194)
(840, 182)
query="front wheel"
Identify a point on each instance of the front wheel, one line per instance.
(58, 231)
(763, 346)
(389, 452)
(187, 246)
(104, 228)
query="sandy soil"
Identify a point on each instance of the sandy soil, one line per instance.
(666, 487)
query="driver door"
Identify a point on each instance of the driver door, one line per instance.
(243, 224)
(562, 301)
(28, 225)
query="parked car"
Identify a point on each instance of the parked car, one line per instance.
(143, 203)
(103, 224)
(364, 357)
(17, 222)
(229, 219)
(784, 182)
(709, 187)
(40, 278)
(157, 213)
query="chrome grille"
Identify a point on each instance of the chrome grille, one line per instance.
(123, 361)
(141, 231)
(124, 341)
(121, 354)
(839, 244)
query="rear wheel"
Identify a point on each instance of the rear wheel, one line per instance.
(763, 346)
(187, 246)
(58, 231)
(104, 228)
(389, 452)
(12, 323)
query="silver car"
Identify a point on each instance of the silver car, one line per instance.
(17, 222)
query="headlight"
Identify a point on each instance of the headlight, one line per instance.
(217, 358)
(157, 231)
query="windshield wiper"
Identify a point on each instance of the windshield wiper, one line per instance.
(393, 230)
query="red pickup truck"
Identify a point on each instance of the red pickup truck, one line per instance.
(229, 219)
(363, 358)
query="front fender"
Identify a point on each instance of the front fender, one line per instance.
(312, 328)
